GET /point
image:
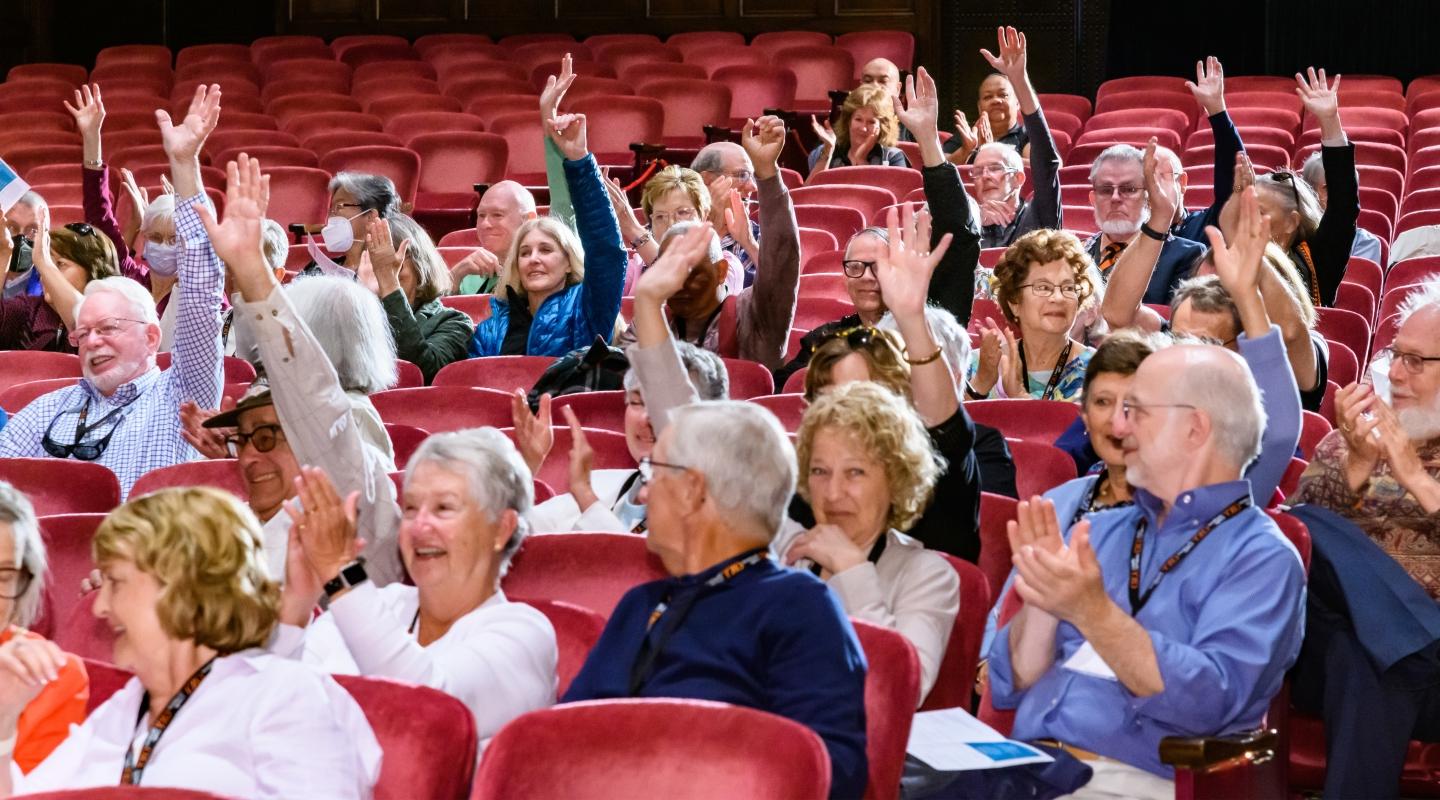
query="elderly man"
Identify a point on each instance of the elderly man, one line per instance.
(125, 413)
(1380, 471)
(1118, 195)
(22, 224)
(1367, 244)
(502, 209)
(726, 167)
(732, 625)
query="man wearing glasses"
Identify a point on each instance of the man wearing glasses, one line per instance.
(726, 168)
(1380, 471)
(125, 413)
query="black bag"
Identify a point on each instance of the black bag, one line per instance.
(598, 368)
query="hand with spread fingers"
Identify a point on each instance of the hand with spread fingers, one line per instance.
(1321, 97)
(534, 437)
(326, 524)
(386, 260)
(237, 239)
(1158, 193)
(1066, 584)
(89, 114)
(1209, 85)
(210, 442)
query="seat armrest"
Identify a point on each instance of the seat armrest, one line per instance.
(1210, 753)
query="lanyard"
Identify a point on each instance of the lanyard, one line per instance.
(1087, 504)
(650, 651)
(1138, 600)
(134, 768)
(1054, 382)
(1303, 249)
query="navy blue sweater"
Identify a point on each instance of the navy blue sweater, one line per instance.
(770, 638)
(1227, 145)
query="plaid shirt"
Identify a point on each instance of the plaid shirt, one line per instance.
(147, 434)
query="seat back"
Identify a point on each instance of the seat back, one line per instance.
(591, 570)
(502, 373)
(602, 410)
(654, 748)
(577, 629)
(443, 408)
(892, 683)
(995, 511)
(428, 737)
(125, 793)
(956, 680)
(62, 485)
(1039, 467)
(748, 379)
(609, 451)
(23, 366)
(67, 553)
(15, 397)
(221, 473)
(406, 439)
(1024, 418)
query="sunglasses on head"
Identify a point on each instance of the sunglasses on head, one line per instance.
(82, 228)
(858, 337)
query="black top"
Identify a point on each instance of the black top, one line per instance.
(517, 330)
(1330, 244)
(952, 287)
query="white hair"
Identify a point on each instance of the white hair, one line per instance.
(1313, 170)
(706, 370)
(1117, 152)
(947, 332)
(713, 253)
(141, 302)
(15, 509)
(33, 199)
(1008, 154)
(1426, 295)
(1227, 393)
(351, 327)
(744, 454)
(498, 478)
(274, 243)
(162, 207)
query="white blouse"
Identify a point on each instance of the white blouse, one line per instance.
(259, 726)
(499, 660)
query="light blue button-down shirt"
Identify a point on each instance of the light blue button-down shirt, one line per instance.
(1226, 624)
(147, 436)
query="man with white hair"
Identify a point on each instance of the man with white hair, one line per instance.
(125, 413)
(732, 625)
(1114, 649)
(1117, 192)
(503, 208)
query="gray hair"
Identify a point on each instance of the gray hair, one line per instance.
(1313, 170)
(713, 254)
(1294, 194)
(708, 159)
(1008, 154)
(744, 454)
(1426, 295)
(139, 298)
(432, 277)
(15, 509)
(1117, 152)
(1206, 294)
(706, 369)
(162, 207)
(33, 199)
(373, 192)
(350, 325)
(947, 332)
(1228, 395)
(274, 243)
(498, 478)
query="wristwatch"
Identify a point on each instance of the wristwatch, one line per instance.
(351, 574)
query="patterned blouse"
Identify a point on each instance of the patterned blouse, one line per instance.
(1070, 386)
(1385, 511)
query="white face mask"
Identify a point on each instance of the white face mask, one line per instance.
(324, 262)
(164, 259)
(337, 234)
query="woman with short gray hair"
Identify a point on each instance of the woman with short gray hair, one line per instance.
(356, 199)
(464, 504)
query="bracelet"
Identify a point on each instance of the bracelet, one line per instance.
(971, 393)
(641, 239)
(1156, 235)
(926, 360)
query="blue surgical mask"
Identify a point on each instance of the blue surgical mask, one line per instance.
(164, 259)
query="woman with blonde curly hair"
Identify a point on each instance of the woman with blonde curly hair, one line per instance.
(864, 134)
(185, 590)
(868, 471)
(1042, 283)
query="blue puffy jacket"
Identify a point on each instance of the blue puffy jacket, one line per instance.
(572, 317)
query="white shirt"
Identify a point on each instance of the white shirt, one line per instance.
(259, 726)
(561, 514)
(499, 660)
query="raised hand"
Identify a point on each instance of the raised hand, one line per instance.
(630, 226)
(904, 268)
(920, 111)
(720, 188)
(567, 131)
(667, 275)
(139, 195)
(209, 441)
(1238, 262)
(582, 460)
(1209, 85)
(555, 88)
(969, 137)
(825, 132)
(737, 223)
(763, 139)
(987, 370)
(385, 260)
(1011, 61)
(237, 240)
(1319, 96)
(182, 142)
(1355, 411)
(1230, 212)
(1158, 192)
(89, 114)
(326, 524)
(533, 435)
(1035, 525)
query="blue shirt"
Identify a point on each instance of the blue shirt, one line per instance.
(771, 638)
(1225, 624)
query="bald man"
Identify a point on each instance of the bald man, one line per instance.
(722, 160)
(882, 72)
(503, 208)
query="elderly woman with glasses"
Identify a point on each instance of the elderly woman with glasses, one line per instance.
(65, 261)
(45, 721)
(465, 500)
(184, 590)
(1041, 284)
(673, 195)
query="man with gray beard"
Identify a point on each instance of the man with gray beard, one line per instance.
(1371, 662)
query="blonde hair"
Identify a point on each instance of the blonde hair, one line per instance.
(1277, 259)
(671, 178)
(562, 235)
(878, 101)
(204, 547)
(889, 431)
(882, 350)
(1033, 249)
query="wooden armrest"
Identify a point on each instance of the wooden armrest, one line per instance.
(1210, 753)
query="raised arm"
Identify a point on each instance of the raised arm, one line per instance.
(656, 361)
(764, 322)
(1131, 274)
(1209, 91)
(1331, 243)
(89, 114)
(60, 293)
(1044, 160)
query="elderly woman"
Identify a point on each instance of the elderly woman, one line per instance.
(1041, 284)
(674, 194)
(868, 473)
(66, 260)
(184, 588)
(607, 499)
(45, 721)
(465, 500)
(560, 291)
(408, 275)
(356, 198)
(864, 134)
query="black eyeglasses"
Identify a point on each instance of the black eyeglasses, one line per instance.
(858, 338)
(14, 582)
(1414, 362)
(264, 437)
(856, 269)
(82, 228)
(647, 467)
(81, 449)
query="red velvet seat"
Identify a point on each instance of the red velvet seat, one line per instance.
(452, 162)
(524, 134)
(694, 40)
(819, 69)
(67, 549)
(955, 682)
(617, 121)
(892, 685)
(307, 125)
(789, 408)
(1032, 420)
(812, 312)
(591, 570)
(1313, 428)
(715, 57)
(126, 793)
(428, 737)
(995, 511)
(399, 164)
(503, 373)
(842, 222)
(1345, 327)
(577, 629)
(901, 181)
(406, 439)
(748, 379)
(237, 370)
(443, 408)
(63, 485)
(609, 448)
(219, 473)
(285, 109)
(832, 286)
(865, 199)
(865, 46)
(1039, 467)
(475, 306)
(601, 410)
(72, 74)
(21, 366)
(654, 748)
(408, 375)
(756, 88)
(298, 194)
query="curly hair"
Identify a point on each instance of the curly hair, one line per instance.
(204, 547)
(878, 101)
(884, 425)
(1041, 247)
(676, 177)
(882, 350)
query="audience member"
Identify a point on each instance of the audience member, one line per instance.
(503, 208)
(998, 117)
(409, 276)
(755, 324)
(869, 473)
(1042, 283)
(161, 557)
(1209, 92)
(356, 198)
(674, 194)
(466, 496)
(882, 73)
(727, 169)
(65, 261)
(1366, 244)
(1319, 240)
(606, 499)
(731, 624)
(135, 424)
(868, 131)
(1117, 183)
(43, 722)
(24, 216)
(560, 291)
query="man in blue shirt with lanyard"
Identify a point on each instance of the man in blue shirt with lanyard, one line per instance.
(1177, 616)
